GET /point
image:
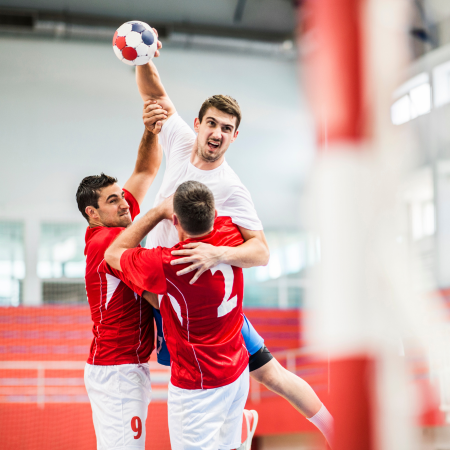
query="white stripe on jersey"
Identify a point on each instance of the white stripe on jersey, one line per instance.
(187, 325)
(187, 311)
(101, 314)
(111, 286)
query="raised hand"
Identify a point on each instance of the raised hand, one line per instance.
(159, 45)
(153, 116)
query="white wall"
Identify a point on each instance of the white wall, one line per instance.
(71, 109)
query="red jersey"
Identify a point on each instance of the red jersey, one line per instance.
(123, 320)
(201, 322)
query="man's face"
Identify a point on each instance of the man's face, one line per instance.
(216, 132)
(113, 210)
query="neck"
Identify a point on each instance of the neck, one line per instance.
(183, 236)
(94, 223)
(201, 164)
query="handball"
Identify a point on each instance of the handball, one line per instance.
(135, 43)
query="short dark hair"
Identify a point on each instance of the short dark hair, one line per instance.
(223, 103)
(88, 191)
(193, 203)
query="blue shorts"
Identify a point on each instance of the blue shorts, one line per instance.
(253, 341)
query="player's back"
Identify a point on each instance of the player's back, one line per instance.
(203, 321)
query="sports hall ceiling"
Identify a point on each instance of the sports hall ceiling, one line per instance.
(266, 20)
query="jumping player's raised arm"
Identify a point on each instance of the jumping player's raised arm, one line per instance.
(151, 88)
(177, 137)
(148, 159)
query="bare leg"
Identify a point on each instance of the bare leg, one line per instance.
(289, 386)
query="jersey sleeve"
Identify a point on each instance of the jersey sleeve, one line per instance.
(134, 205)
(144, 268)
(106, 268)
(241, 209)
(176, 139)
(228, 233)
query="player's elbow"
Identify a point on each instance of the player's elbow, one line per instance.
(265, 254)
(111, 257)
(108, 255)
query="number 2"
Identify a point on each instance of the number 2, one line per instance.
(228, 304)
(136, 426)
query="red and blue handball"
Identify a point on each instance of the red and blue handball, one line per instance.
(135, 43)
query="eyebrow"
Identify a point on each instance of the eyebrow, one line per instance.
(112, 196)
(223, 125)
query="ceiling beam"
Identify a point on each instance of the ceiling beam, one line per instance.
(14, 19)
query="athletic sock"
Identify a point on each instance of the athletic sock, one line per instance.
(324, 421)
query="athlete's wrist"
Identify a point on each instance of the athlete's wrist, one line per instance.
(225, 255)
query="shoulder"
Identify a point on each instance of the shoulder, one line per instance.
(230, 174)
(145, 257)
(103, 236)
(133, 203)
(176, 125)
(227, 233)
(234, 185)
(232, 180)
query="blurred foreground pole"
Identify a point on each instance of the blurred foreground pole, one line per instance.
(335, 67)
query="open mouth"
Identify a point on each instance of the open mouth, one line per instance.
(213, 145)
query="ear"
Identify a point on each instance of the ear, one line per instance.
(196, 124)
(235, 136)
(215, 214)
(91, 212)
(175, 220)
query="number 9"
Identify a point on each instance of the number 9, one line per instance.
(136, 426)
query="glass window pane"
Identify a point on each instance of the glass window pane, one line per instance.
(420, 100)
(441, 84)
(260, 295)
(12, 262)
(401, 110)
(61, 250)
(295, 297)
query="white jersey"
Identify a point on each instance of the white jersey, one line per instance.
(232, 198)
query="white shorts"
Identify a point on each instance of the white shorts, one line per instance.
(207, 419)
(119, 397)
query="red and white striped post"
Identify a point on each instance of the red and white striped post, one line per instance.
(335, 76)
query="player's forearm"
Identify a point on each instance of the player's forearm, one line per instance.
(251, 253)
(151, 88)
(147, 165)
(149, 82)
(149, 155)
(132, 236)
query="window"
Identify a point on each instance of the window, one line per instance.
(61, 251)
(414, 100)
(12, 262)
(441, 84)
(280, 283)
(418, 195)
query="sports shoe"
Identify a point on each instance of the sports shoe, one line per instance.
(248, 428)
